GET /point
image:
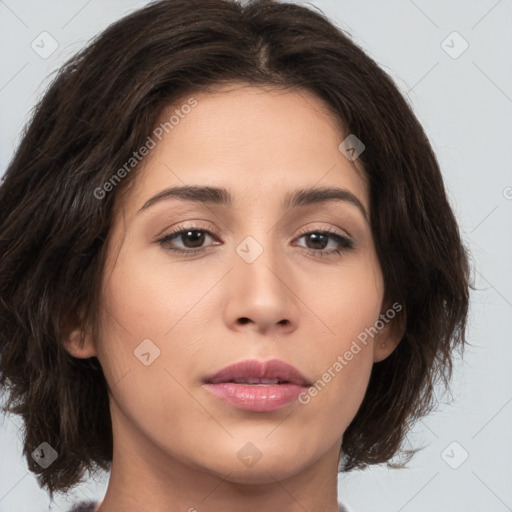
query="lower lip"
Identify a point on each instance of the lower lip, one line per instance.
(256, 397)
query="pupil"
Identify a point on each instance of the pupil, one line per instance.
(197, 240)
(316, 237)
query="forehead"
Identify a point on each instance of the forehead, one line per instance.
(258, 142)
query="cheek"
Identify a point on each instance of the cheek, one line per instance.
(349, 306)
(149, 317)
(346, 299)
(160, 301)
(344, 366)
(150, 298)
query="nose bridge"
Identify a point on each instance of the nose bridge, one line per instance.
(258, 262)
(260, 293)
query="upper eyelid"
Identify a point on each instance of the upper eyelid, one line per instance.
(303, 231)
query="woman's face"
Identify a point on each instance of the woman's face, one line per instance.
(255, 278)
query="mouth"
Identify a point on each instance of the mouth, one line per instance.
(257, 386)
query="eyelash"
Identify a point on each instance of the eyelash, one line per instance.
(345, 244)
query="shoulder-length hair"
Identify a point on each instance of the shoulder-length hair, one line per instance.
(102, 106)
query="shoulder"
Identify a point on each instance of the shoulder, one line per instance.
(84, 506)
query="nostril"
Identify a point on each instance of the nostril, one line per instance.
(244, 320)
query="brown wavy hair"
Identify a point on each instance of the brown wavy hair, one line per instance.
(101, 107)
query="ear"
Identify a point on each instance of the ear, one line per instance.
(389, 336)
(78, 340)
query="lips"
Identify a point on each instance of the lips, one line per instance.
(257, 386)
(256, 372)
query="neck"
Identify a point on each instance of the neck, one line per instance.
(144, 477)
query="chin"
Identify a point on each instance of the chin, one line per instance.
(247, 464)
(261, 473)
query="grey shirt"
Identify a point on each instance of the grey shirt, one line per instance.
(90, 506)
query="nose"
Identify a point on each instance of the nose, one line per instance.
(260, 294)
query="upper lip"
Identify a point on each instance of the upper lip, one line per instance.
(253, 369)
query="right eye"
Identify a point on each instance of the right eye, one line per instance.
(191, 237)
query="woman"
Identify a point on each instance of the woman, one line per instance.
(230, 268)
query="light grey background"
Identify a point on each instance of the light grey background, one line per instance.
(465, 105)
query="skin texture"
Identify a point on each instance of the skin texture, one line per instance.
(174, 442)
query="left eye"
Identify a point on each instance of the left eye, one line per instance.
(317, 241)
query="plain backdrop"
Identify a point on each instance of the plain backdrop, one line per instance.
(453, 62)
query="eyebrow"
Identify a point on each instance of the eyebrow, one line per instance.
(221, 196)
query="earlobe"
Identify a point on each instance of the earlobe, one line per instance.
(77, 342)
(388, 339)
(382, 349)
